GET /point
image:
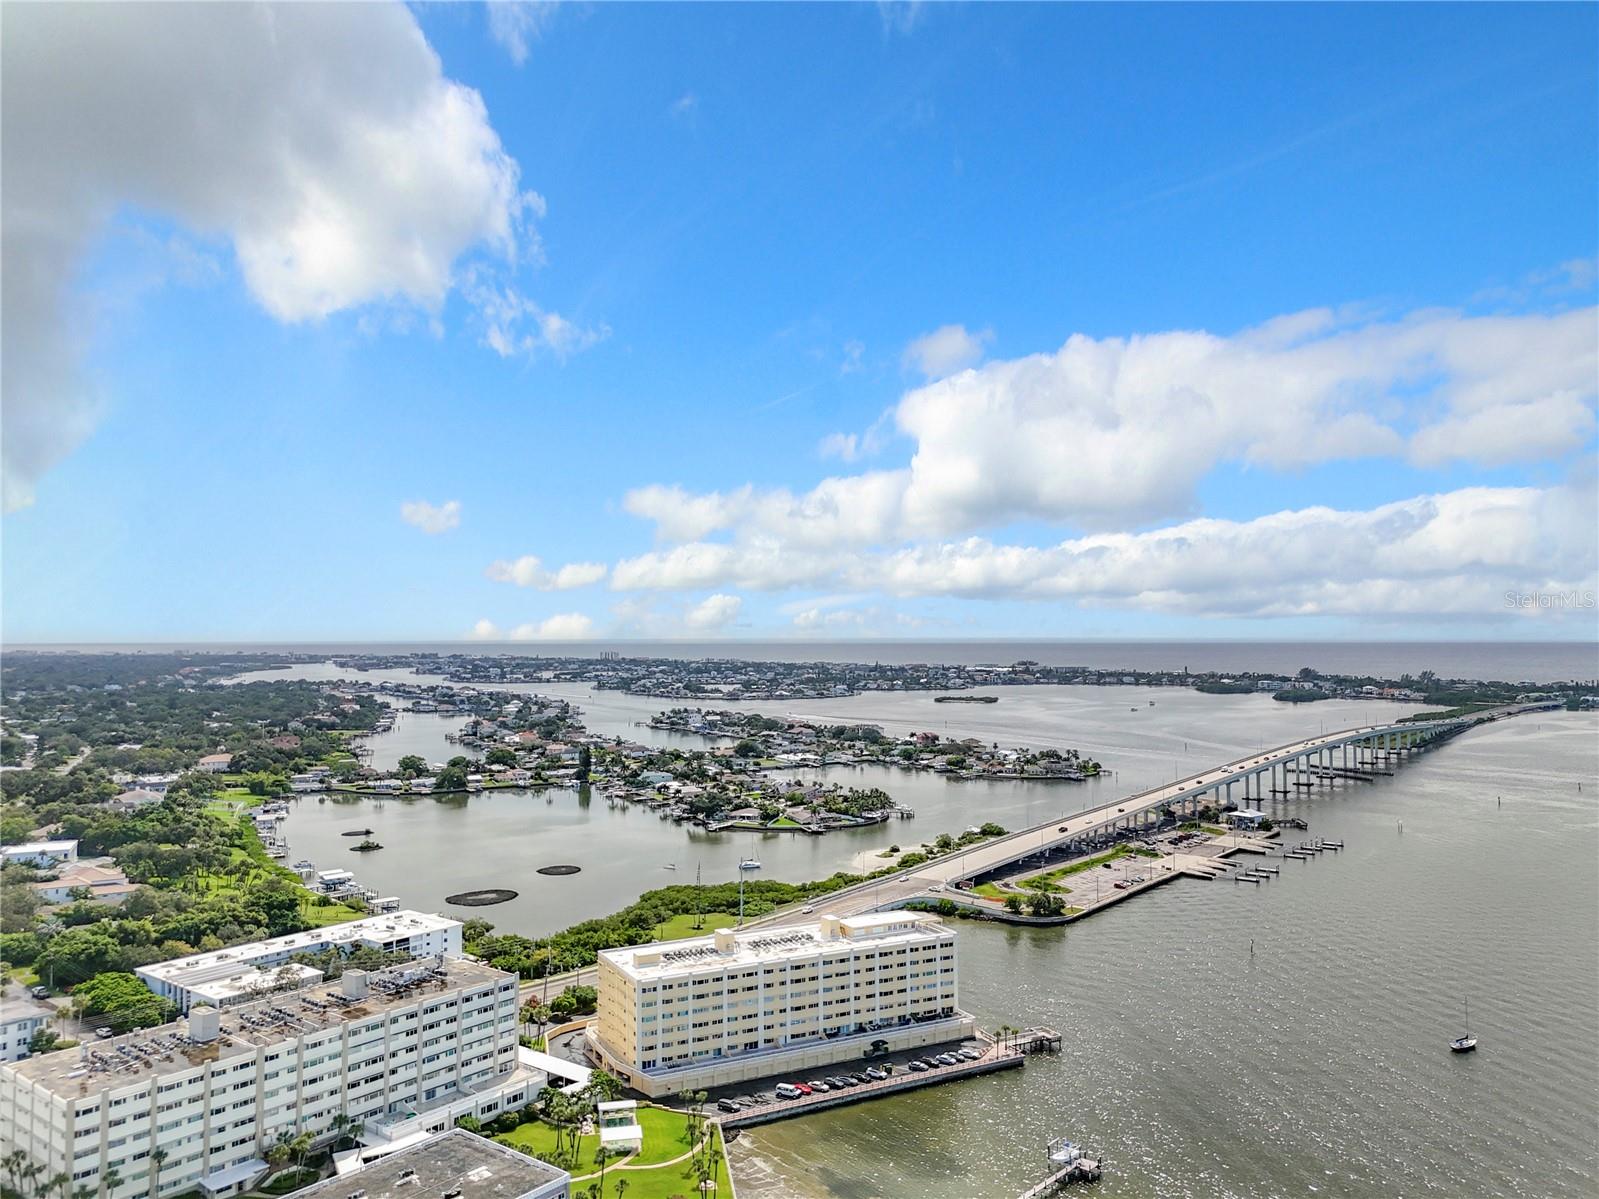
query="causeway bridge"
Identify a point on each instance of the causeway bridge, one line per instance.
(1357, 753)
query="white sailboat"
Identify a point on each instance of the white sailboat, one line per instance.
(1468, 1042)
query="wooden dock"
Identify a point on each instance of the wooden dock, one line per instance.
(1084, 1169)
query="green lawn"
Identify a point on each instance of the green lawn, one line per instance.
(645, 1176)
(333, 913)
(784, 822)
(990, 891)
(538, 1138)
(665, 1135)
(679, 927)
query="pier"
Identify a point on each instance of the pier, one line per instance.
(1070, 1165)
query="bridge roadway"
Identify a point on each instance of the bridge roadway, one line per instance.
(1351, 753)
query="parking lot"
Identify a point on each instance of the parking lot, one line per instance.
(755, 1103)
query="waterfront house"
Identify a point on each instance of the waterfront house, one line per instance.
(214, 763)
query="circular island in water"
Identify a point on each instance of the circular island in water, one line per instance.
(559, 869)
(481, 899)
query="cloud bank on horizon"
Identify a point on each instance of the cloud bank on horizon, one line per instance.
(344, 172)
(1114, 436)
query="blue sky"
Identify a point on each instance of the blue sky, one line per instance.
(765, 234)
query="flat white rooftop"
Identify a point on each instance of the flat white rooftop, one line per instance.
(29, 848)
(388, 927)
(727, 949)
(251, 982)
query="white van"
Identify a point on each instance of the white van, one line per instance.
(787, 1090)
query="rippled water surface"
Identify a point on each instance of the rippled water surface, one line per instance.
(1316, 1064)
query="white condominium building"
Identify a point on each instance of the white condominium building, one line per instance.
(711, 1011)
(241, 973)
(20, 1018)
(403, 1052)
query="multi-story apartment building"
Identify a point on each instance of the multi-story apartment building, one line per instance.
(711, 1011)
(240, 973)
(402, 1053)
(20, 1018)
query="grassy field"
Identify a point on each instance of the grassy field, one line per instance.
(679, 927)
(539, 1139)
(645, 1174)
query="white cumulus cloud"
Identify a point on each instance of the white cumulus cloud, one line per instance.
(714, 612)
(430, 518)
(528, 571)
(563, 626)
(945, 350)
(1455, 552)
(1108, 433)
(323, 142)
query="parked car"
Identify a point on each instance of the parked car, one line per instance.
(918, 1065)
(804, 1088)
(787, 1090)
(946, 1059)
(859, 1078)
(875, 1073)
(819, 1085)
(105, 1031)
(808, 909)
(970, 1055)
(727, 1105)
(40, 992)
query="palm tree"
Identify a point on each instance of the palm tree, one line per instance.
(15, 1165)
(278, 1153)
(157, 1158)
